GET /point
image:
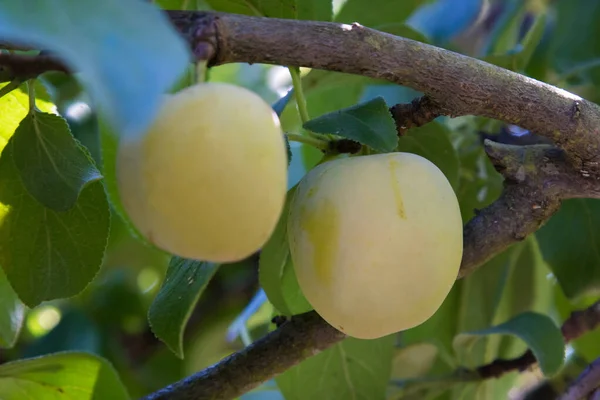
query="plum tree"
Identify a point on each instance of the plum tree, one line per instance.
(208, 179)
(376, 241)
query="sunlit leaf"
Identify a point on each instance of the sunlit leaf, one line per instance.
(61, 376)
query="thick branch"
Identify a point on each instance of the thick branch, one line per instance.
(578, 323)
(460, 85)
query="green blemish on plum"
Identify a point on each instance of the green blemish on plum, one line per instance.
(322, 226)
(393, 164)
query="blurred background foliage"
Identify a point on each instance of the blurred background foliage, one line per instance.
(553, 272)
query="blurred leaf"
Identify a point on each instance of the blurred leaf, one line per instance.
(276, 272)
(12, 314)
(480, 184)
(75, 332)
(527, 289)
(572, 48)
(280, 104)
(569, 243)
(376, 12)
(413, 361)
(369, 123)
(264, 8)
(432, 141)
(518, 57)
(177, 298)
(314, 10)
(353, 368)
(54, 167)
(128, 97)
(441, 20)
(538, 331)
(486, 284)
(68, 376)
(47, 254)
(109, 144)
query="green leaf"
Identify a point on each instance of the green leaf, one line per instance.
(54, 167)
(12, 313)
(369, 123)
(569, 243)
(372, 13)
(13, 108)
(314, 10)
(177, 298)
(352, 369)
(538, 331)
(258, 8)
(276, 271)
(68, 376)
(432, 141)
(48, 254)
(87, 35)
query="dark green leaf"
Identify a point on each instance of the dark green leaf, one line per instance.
(258, 8)
(480, 183)
(432, 141)
(372, 13)
(128, 97)
(54, 168)
(569, 243)
(314, 10)
(61, 376)
(538, 331)
(276, 272)
(573, 48)
(369, 123)
(48, 254)
(177, 298)
(12, 313)
(352, 369)
(76, 331)
(531, 41)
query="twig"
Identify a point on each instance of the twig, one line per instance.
(414, 114)
(585, 383)
(23, 67)
(578, 323)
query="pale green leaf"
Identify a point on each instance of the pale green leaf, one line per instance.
(61, 376)
(12, 313)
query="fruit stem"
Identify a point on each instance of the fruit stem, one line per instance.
(201, 71)
(311, 141)
(299, 93)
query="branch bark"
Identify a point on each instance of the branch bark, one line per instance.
(537, 178)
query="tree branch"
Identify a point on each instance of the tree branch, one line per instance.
(23, 67)
(295, 340)
(578, 323)
(538, 178)
(585, 383)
